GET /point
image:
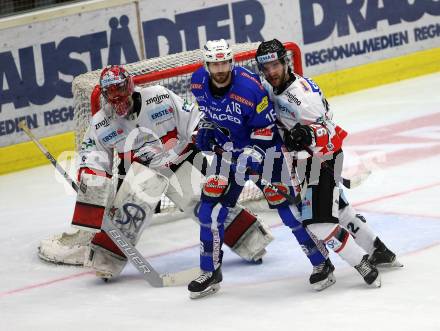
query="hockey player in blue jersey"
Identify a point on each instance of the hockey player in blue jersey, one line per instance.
(239, 118)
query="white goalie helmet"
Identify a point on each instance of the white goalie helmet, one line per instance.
(217, 51)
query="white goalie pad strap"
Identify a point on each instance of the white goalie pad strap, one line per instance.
(185, 186)
(245, 234)
(94, 190)
(105, 263)
(93, 196)
(136, 199)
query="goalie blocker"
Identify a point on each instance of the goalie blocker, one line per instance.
(245, 234)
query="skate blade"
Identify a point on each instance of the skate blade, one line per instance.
(394, 264)
(323, 284)
(209, 291)
(377, 283)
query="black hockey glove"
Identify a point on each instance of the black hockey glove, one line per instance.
(298, 137)
(205, 138)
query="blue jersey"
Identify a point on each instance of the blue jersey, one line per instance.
(244, 115)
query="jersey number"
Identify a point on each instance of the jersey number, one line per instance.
(271, 116)
(352, 228)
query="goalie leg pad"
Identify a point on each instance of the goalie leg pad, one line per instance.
(93, 195)
(246, 235)
(132, 209)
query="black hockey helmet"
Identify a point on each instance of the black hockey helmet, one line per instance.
(269, 51)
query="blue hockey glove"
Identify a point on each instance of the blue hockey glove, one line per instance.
(251, 158)
(205, 138)
(298, 137)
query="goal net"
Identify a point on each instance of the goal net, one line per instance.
(174, 72)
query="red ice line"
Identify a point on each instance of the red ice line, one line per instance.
(82, 274)
(357, 137)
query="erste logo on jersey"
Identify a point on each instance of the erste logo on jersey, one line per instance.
(112, 137)
(166, 112)
(157, 99)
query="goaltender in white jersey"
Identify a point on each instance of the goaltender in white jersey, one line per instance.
(149, 128)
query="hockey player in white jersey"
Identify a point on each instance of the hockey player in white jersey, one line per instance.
(305, 120)
(151, 127)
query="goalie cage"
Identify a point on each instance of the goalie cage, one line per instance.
(174, 72)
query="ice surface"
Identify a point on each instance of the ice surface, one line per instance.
(394, 129)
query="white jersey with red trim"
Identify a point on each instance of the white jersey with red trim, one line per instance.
(158, 129)
(303, 102)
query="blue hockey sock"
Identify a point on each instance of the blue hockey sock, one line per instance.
(306, 242)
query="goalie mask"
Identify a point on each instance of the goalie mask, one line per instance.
(117, 87)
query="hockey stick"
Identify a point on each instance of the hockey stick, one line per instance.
(142, 265)
(22, 125)
(139, 262)
(292, 200)
(348, 183)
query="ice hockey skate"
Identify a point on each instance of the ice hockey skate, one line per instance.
(322, 276)
(206, 284)
(369, 272)
(66, 248)
(383, 257)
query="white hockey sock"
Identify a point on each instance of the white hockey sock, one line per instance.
(351, 252)
(358, 228)
(339, 240)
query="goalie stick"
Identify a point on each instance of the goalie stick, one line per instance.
(139, 262)
(22, 125)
